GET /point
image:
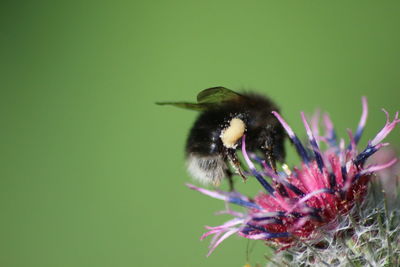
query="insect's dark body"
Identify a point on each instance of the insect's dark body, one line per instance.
(263, 131)
(217, 132)
(261, 126)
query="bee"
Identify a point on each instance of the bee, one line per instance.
(225, 116)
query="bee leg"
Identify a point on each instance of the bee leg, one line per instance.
(229, 176)
(270, 160)
(269, 154)
(272, 163)
(235, 163)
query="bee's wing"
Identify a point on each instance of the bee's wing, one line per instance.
(187, 105)
(207, 99)
(216, 95)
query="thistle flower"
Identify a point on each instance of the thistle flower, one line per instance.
(306, 202)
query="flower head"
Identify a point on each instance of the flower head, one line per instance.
(302, 203)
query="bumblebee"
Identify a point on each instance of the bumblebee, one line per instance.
(225, 116)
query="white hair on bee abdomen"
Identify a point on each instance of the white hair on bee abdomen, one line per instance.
(206, 169)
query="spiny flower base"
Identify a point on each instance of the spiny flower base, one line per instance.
(368, 236)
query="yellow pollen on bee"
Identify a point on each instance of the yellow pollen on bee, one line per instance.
(233, 133)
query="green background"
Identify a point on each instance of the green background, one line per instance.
(92, 172)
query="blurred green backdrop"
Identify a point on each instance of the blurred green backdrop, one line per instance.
(92, 172)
